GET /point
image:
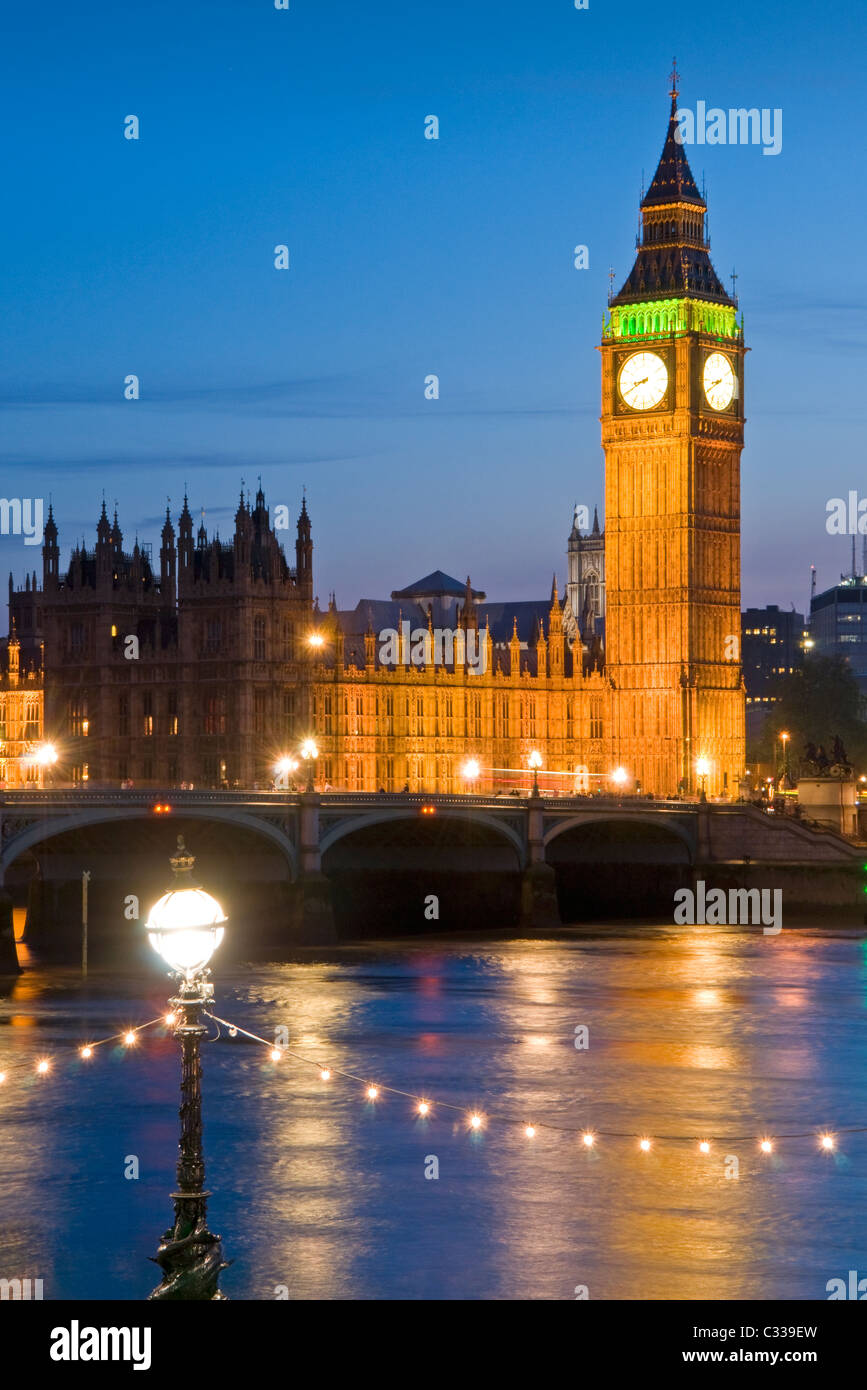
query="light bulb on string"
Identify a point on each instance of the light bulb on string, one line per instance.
(766, 1146)
(530, 1131)
(588, 1140)
(43, 1067)
(87, 1052)
(372, 1092)
(704, 1147)
(129, 1039)
(325, 1074)
(644, 1145)
(827, 1141)
(475, 1122)
(423, 1107)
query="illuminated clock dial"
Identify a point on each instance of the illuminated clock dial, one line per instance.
(719, 381)
(643, 380)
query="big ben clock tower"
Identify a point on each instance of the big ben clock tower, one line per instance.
(672, 431)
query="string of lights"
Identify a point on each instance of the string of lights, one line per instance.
(475, 1119)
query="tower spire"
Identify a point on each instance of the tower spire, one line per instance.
(674, 78)
(673, 257)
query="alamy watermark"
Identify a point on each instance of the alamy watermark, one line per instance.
(23, 1289)
(744, 907)
(737, 126)
(439, 646)
(22, 516)
(846, 516)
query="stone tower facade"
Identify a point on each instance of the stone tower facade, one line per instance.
(585, 585)
(672, 430)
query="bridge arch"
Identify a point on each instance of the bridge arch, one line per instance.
(668, 824)
(399, 871)
(453, 813)
(619, 864)
(49, 827)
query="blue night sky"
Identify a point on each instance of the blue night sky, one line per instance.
(409, 257)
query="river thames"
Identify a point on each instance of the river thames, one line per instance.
(320, 1194)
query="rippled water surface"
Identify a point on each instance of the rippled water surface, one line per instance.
(695, 1032)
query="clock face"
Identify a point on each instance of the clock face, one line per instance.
(719, 381)
(643, 380)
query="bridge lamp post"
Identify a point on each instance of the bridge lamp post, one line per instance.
(314, 641)
(185, 927)
(471, 771)
(310, 753)
(702, 767)
(535, 762)
(784, 740)
(620, 777)
(284, 769)
(45, 756)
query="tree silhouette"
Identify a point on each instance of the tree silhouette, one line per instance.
(819, 706)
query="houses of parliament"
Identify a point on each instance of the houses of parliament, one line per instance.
(210, 667)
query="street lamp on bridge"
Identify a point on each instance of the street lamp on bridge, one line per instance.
(185, 927)
(784, 740)
(471, 770)
(702, 767)
(310, 753)
(535, 762)
(284, 768)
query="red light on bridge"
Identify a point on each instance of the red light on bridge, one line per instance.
(161, 810)
(428, 810)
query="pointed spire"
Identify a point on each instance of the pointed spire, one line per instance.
(596, 530)
(673, 254)
(673, 180)
(469, 616)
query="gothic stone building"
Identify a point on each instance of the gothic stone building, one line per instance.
(191, 673)
(515, 684)
(664, 581)
(21, 692)
(221, 685)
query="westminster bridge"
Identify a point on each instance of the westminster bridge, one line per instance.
(404, 860)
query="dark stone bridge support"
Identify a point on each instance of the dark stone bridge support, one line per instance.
(539, 909)
(314, 907)
(8, 955)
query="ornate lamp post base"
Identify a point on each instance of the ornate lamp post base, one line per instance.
(190, 1256)
(191, 1263)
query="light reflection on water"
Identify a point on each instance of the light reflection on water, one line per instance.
(697, 1031)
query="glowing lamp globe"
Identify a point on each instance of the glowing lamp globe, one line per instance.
(185, 926)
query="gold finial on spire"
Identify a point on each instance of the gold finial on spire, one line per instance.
(674, 78)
